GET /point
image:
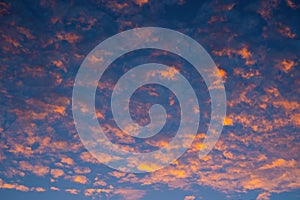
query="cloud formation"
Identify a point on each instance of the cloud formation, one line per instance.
(255, 46)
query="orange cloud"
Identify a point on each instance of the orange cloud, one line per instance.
(13, 186)
(244, 52)
(189, 197)
(147, 166)
(292, 4)
(91, 191)
(263, 196)
(170, 73)
(72, 191)
(59, 64)
(99, 182)
(82, 170)
(40, 189)
(78, 179)
(287, 65)
(57, 173)
(54, 188)
(70, 37)
(228, 121)
(25, 32)
(87, 157)
(130, 194)
(267, 7)
(67, 160)
(38, 170)
(117, 174)
(285, 31)
(140, 2)
(4, 8)
(280, 163)
(19, 187)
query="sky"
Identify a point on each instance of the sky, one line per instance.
(255, 46)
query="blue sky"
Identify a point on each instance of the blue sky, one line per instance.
(254, 46)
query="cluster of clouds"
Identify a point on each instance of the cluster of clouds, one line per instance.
(258, 149)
